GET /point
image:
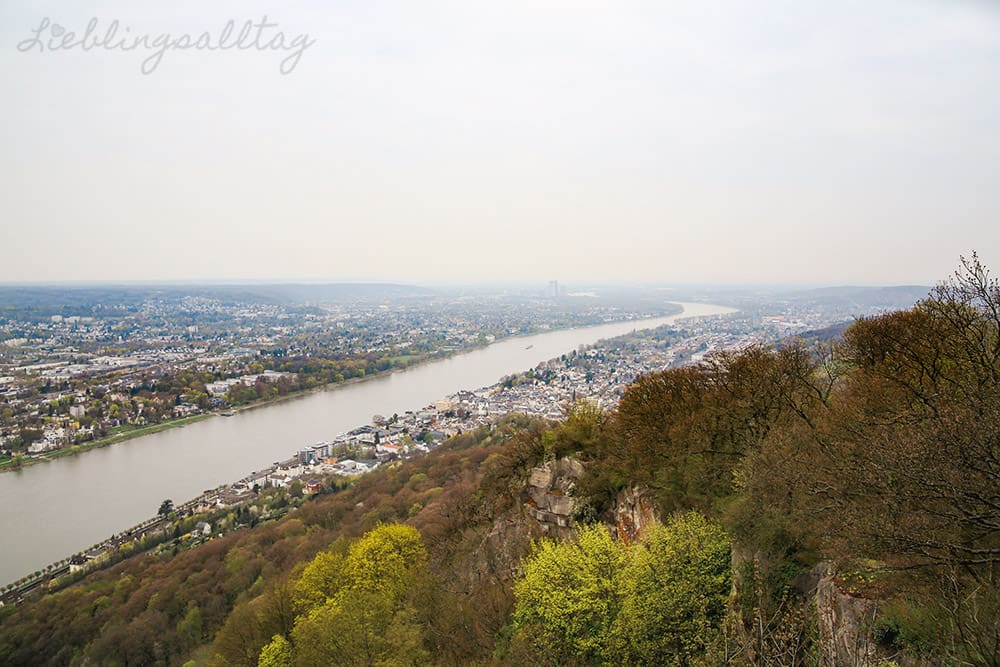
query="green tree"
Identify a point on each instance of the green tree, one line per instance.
(320, 581)
(674, 593)
(385, 558)
(278, 653)
(166, 507)
(190, 628)
(568, 596)
(581, 431)
(661, 601)
(359, 609)
(348, 630)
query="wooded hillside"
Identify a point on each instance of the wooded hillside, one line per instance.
(873, 461)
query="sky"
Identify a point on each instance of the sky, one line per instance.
(459, 141)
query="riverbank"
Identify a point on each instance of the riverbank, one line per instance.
(20, 461)
(500, 400)
(434, 357)
(14, 464)
(53, 509)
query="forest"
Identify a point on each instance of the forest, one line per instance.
(867, 467)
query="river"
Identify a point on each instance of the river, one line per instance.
(54, 509)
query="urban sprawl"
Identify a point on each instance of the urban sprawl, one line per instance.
(66, 380)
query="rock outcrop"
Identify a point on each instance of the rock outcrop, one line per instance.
(634, 514)
(845, 623)
(541, 506)
(548, 493)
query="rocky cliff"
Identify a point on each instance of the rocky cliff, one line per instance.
(845, 624)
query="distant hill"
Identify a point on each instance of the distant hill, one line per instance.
(832, 333)
(337, 292)
(826, 504)
(865, 298)
(80, 299)
(845, 490)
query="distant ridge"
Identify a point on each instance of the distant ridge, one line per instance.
(891, 298)
(78, 299)
(336, 292)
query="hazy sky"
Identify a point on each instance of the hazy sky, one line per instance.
(436, 140)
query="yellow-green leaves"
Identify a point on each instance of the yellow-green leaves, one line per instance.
(384, 558)
(674, 593)
(568, 595)
(319, 581)
(601, 601)
(276, 654)
(356, 609)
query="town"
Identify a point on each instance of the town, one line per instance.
(80, 367)
(86, 367)
(70, 381)
(597, 374)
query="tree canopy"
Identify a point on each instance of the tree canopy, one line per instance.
(600, 601)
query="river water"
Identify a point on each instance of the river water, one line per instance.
(51, 510)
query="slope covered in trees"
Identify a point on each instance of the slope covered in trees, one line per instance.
(876, 457)
(880, 454)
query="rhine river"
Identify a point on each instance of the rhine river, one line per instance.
(51, 510)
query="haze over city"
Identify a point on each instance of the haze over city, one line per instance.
(427, 332)
(445, 141)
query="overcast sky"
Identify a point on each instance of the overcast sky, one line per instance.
(462, 141)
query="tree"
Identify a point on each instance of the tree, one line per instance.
(359, 609)
(344, 631)
(190, 629)
(900, 464)
(385, 558)
(166, 507)
(683, 431)
(595, 600)
(568, 598)
(674, 593)
(320, 581)
(278, 653)
(909, 461)
(240, 640)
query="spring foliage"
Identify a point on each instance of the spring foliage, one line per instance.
(597, 600)
(357, 608)
(880, 449)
